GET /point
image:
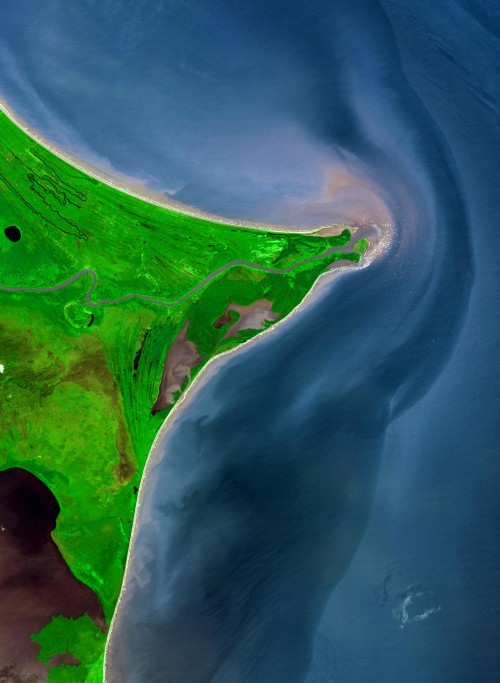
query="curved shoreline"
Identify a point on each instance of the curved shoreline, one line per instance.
(212, 366)
(379, 247)
(135, 188)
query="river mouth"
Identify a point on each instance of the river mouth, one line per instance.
(258, 496)
(264, 485)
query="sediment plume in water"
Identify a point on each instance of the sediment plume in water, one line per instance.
(258, 496)
(257, 554)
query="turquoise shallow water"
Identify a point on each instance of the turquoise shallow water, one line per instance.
(326, 508)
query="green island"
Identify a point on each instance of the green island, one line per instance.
(109, 308)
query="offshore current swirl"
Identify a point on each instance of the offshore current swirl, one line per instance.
(261, 492)
(252, 508)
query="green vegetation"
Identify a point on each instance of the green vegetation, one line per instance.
(81, 374)
(361, 245)
(77, 637)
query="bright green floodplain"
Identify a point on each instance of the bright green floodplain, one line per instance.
(79, 380)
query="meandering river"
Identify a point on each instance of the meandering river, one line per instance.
(324, 508)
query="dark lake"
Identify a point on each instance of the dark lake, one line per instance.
(326, 508)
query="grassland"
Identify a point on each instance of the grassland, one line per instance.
(81, 375)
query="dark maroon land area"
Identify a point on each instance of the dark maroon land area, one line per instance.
(36, 584)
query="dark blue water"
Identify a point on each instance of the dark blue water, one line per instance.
(325, 508)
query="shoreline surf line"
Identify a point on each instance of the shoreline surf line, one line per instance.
(130, 186)
(381, 247)
(213, 366)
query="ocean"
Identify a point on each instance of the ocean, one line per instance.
(324, 509)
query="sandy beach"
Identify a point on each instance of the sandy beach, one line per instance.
(378, 248)
(378, 235)
(326, 505)
(137, 188)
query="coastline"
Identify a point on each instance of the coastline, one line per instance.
(136, 188)
(213, 366)
(380, 241)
